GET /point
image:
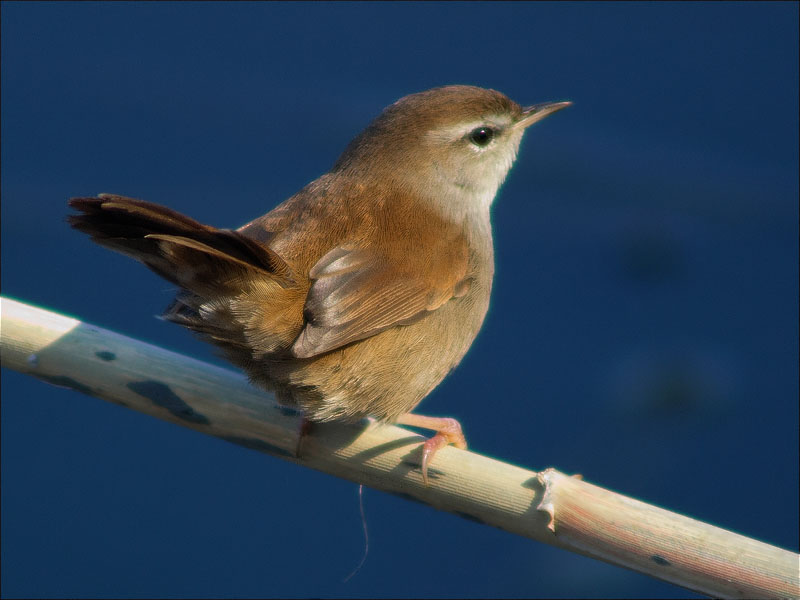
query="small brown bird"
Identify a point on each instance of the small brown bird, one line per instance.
(360, 293)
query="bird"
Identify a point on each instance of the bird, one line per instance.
(355, 297)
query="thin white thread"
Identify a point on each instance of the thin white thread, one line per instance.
(366, 533)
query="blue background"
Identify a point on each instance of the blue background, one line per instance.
(643, 328)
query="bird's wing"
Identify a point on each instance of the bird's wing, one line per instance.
(357, 293)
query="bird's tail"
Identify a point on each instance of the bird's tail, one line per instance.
(201, 259)
(236, 292)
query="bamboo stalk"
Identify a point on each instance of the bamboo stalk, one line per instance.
(547, 506)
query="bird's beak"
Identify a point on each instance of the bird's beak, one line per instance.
(537, 112)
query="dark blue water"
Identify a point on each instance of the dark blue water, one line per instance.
(643, 328)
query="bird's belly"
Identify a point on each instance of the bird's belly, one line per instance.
(386, 375)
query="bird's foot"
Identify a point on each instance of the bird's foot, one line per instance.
(448, 431)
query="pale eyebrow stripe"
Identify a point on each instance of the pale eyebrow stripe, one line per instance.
(455, 132)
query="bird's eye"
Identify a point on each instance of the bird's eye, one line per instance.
(481, 136)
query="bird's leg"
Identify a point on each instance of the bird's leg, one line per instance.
(304, 430)
(448, 431)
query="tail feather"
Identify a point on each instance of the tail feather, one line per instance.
(236, 292)
(180, 249)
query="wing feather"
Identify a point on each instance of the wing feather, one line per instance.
(357, 293)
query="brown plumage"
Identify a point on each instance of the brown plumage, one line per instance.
(357, 295)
